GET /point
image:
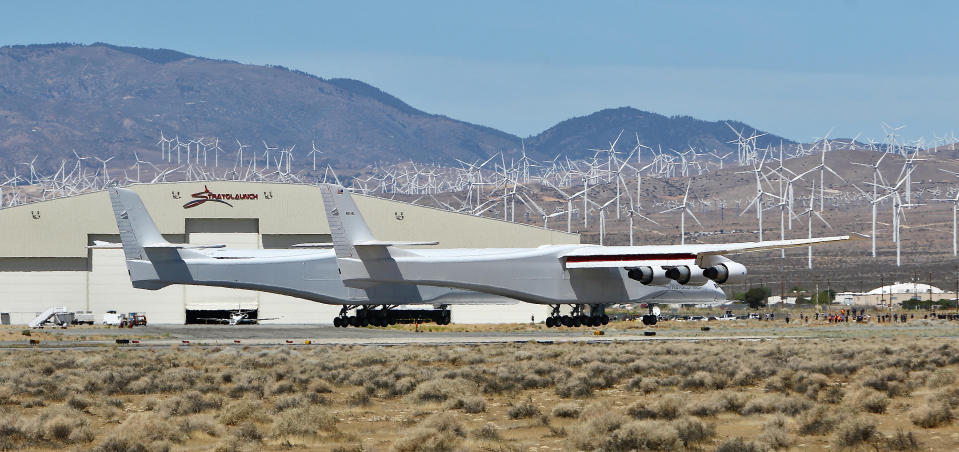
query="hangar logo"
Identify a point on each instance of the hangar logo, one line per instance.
(207, 195)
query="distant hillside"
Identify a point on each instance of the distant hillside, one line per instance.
(576, 136)
(106, 100)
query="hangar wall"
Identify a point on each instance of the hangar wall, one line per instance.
(44, 261)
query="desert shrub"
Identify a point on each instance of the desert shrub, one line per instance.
(692, 430)
(832, 395)
(666, 407)
(643, 435)
(303, 421)
(774, 433)
(717, 402)
(436, 433)
(59, 428)
(320, 387)
(471, 405)
(597, 421)
(83, 433)
(940, 378)
(442, 389)
(78, 403)
(775, 403)
(567, 410)
(282, 387)
(738, 444)
(523, 410)
(818, 421)
(488, 432)
(401, 387)
(360, 397)
(931, 416)
(634, 383)
(192, 402)
(902, 441)
(142, 431)
(248, 431)
(240, 410)
(579, 385)
(874, 402)
(202, 423)
(855, 432)
(702, 380)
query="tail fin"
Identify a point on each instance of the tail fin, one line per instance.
(347, 226)
(137, 229)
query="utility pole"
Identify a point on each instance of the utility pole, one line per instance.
(882, 291)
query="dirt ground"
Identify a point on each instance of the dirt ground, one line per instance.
(881, 388)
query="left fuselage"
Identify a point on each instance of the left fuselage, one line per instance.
(534, 275)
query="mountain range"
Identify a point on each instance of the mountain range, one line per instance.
(107, 100)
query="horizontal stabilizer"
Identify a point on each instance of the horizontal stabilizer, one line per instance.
(313, 245)
(181, 246)
(101, 245)
(393, 243)
(672, 255)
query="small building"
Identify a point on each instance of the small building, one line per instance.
(893, 294)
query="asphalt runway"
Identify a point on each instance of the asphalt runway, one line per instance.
(261, 335)
(266, 334)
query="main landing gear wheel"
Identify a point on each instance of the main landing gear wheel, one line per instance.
(653, 316)
(577, 317)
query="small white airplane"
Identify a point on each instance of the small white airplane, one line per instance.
(237, 317)
(304, 272)
(555, 275)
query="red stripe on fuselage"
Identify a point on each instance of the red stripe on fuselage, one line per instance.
(632, 257)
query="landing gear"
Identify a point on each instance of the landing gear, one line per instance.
(385, 315)
(651, 318)
(577, 316)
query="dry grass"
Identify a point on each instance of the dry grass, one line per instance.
(874, 393)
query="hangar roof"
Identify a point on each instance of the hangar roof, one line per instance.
(62, 227)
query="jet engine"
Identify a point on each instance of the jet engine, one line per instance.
(650, 276)
(726, 272)
(686, 274)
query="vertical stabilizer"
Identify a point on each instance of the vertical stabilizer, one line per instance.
(134, 222)
(347, 226)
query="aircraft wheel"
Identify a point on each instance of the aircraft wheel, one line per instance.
(595, 321)
(604, 319)
(362, 322)
(337, 322)
(549, 322)
(351, 321)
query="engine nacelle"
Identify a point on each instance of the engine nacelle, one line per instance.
(687, 274)
(726, 272)
(650, 276)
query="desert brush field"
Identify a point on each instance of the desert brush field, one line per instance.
(873, 393)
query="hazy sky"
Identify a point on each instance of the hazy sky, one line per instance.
(794, 68)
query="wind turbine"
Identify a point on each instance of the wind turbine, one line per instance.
(955, 206)
(809, 213)
(684, 209)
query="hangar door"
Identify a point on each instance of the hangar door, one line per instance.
(216, 302)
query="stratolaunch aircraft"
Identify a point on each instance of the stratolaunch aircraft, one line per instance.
(312, 274)
(576, 275)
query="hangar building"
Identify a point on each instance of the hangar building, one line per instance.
(45, 262)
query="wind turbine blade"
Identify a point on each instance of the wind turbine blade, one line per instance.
(690, 212)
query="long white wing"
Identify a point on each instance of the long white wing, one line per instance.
(669, 255)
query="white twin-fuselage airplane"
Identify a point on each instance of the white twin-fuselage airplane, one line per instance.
(308, 273)
(577, 275)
